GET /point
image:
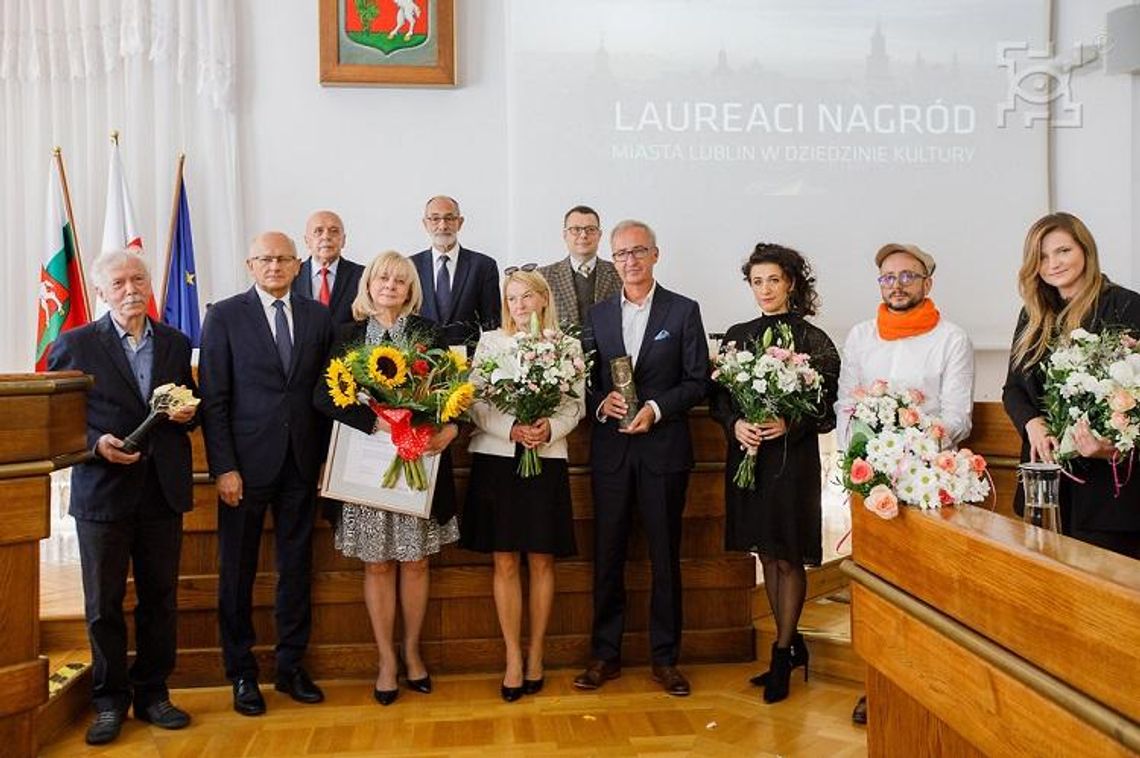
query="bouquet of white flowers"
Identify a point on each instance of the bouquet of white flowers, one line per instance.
(896, 455)
(768, 380)
(529, 376)
(1094, 378)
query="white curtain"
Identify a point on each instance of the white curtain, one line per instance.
(161, 73)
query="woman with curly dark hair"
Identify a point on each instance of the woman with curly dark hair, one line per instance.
(780, 519)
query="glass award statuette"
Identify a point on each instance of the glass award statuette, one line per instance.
(165, 400)
(621, 371)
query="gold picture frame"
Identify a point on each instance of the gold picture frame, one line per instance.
(387, 43)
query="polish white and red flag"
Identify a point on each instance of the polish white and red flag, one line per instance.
(120, 230)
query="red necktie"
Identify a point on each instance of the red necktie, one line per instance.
(323, 295)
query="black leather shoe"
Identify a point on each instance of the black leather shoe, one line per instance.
(598, 673)
(106, 727)
(385, 697)
(423, 684)
(297, 685)
(533, 686)
(510, 694)
(247, 697)
(859, 715)
(163, 714)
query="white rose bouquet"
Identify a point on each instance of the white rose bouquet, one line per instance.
(768, 379)
(1094, 378)
(528, 378)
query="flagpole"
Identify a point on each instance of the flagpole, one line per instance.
(58, 154)
(115, 136)
(170, 234)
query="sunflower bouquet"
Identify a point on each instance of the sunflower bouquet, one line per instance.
(414, 388)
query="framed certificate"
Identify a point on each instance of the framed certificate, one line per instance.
(355, 465)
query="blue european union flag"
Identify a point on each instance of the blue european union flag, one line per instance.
(180, 308)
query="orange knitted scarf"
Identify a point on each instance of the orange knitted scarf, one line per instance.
(918, 320)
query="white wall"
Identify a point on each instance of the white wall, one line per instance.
(373, 155)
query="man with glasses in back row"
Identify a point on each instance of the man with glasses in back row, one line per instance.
(911, 346)
(263, 352)
(581, 279)
(460, 285)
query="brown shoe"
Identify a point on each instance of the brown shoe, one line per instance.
(597, 673)
(671, 680)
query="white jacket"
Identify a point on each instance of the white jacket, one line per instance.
(492, 434)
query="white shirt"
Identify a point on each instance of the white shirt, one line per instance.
(453, 258)
(315, 266)
(634, 320)
(582, 266)
(267, 301)
(940, 363)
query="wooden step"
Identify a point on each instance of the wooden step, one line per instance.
(69, 691)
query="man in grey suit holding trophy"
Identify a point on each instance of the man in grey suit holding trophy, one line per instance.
(640, 457)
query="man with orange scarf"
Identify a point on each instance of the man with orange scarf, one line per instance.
(911, 346)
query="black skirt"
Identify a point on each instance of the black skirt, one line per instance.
(506, 513)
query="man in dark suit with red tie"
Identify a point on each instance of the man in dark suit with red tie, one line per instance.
(262, 354)
(128, 506)
(460, 285)
(327, 276)
(644, 466)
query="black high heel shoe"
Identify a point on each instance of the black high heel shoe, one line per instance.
(385, 697)
(777, 685)
(510, 694)
(800, 657)
(423, 684)
(533, 686)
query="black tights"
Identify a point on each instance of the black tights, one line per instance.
(786, 585)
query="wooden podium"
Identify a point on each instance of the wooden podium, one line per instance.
(41, 429)
(984, 636)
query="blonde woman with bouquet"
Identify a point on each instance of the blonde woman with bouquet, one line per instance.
(1062, 289)
(519, 502)
(395, 547)
(779, 516)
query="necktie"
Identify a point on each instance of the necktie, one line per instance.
(323, 295)
(443, 291)
(585, 270)
(284, 341)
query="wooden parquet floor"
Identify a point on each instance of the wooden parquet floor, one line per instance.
(465, 717)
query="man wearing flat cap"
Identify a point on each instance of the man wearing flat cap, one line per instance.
(911, 346)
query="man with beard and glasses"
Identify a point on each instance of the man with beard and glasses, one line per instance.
(460, 285)
(911, 346)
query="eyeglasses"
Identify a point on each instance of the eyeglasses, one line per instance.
(578, 231)
(515, 269)
(638, 252)
(449, 219)
(906, 279)
(269, 260)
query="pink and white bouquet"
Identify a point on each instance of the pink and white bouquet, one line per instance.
(1094, 378)
(896, 455)
(527, 377)
(768, 380)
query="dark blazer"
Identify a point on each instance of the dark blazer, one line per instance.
(672, 370)
(443, 504)
(102, 491)
(560, 277)
(252, 411)
(475, 304)
(344, 289)
(1091, 505)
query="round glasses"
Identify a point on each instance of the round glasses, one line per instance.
(906, 279)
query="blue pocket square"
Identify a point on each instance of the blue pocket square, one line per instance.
(662, 335)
